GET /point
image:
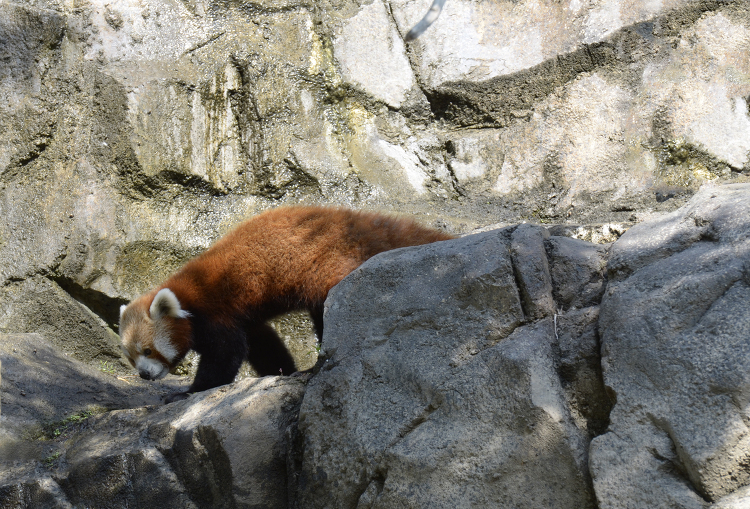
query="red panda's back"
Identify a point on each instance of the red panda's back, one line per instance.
(297, 254)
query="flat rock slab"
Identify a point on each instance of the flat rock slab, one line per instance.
(41, 384)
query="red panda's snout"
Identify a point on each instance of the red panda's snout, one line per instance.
(151, 369)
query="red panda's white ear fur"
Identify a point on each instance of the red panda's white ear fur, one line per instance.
(122, 311)
(165, 303)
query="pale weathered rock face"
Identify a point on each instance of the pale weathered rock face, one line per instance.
(675, 332)
(134, 133)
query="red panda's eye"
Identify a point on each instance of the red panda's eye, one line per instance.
(147, 352)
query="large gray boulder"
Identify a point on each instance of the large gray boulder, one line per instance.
(442, 385)
(675, 327)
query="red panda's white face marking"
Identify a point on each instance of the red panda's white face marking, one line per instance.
(147, 334)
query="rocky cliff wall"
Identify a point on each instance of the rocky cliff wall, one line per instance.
(134, 133)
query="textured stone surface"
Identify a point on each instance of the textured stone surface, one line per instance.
(134, 133)
(475, 41)
(222, 448)
(38, 305)
(577, 270)
(378, 62)
(579, 365)
(675, 353)
(532, 270)
(41, 384)
(436, 392)
(441, 388)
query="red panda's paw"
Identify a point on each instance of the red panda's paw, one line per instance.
(177, 396)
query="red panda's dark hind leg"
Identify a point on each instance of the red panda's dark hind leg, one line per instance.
(316, 314)
(267, 352)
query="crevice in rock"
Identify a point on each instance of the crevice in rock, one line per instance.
(531, 272)
(193, 183)
(600, 427)
(526, 303)
(247, 114)
(166, 185)
(300, 178)
(199, 460)
(105, 307)
(36, 151)
(579, 368)
(679, 160)
(372, 491)
(407, 47)
(418, 420)
(491, 103)
(711, 305)
(449, 149)
(675, 465)
(13, 279)
(516, 275)
(295, 452)
(195, 47)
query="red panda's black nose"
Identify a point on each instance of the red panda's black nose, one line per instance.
(145, 375)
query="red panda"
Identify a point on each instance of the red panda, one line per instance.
(217, 304)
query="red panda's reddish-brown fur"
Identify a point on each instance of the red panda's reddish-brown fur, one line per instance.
(282, 260)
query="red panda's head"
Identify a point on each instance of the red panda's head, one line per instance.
(156, 335)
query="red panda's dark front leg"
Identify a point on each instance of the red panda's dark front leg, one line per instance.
(316, 315)
(220, 361)
(213, 371)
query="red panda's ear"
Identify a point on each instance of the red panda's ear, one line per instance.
(166, 304)
(122, 311)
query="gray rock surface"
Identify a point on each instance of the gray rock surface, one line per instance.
(437, 391)
(41, 384)
(579, 366)
(578, 272)
(40, 305)
(223, 448)
(44, 391)
(675, 330)
(532, 270)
